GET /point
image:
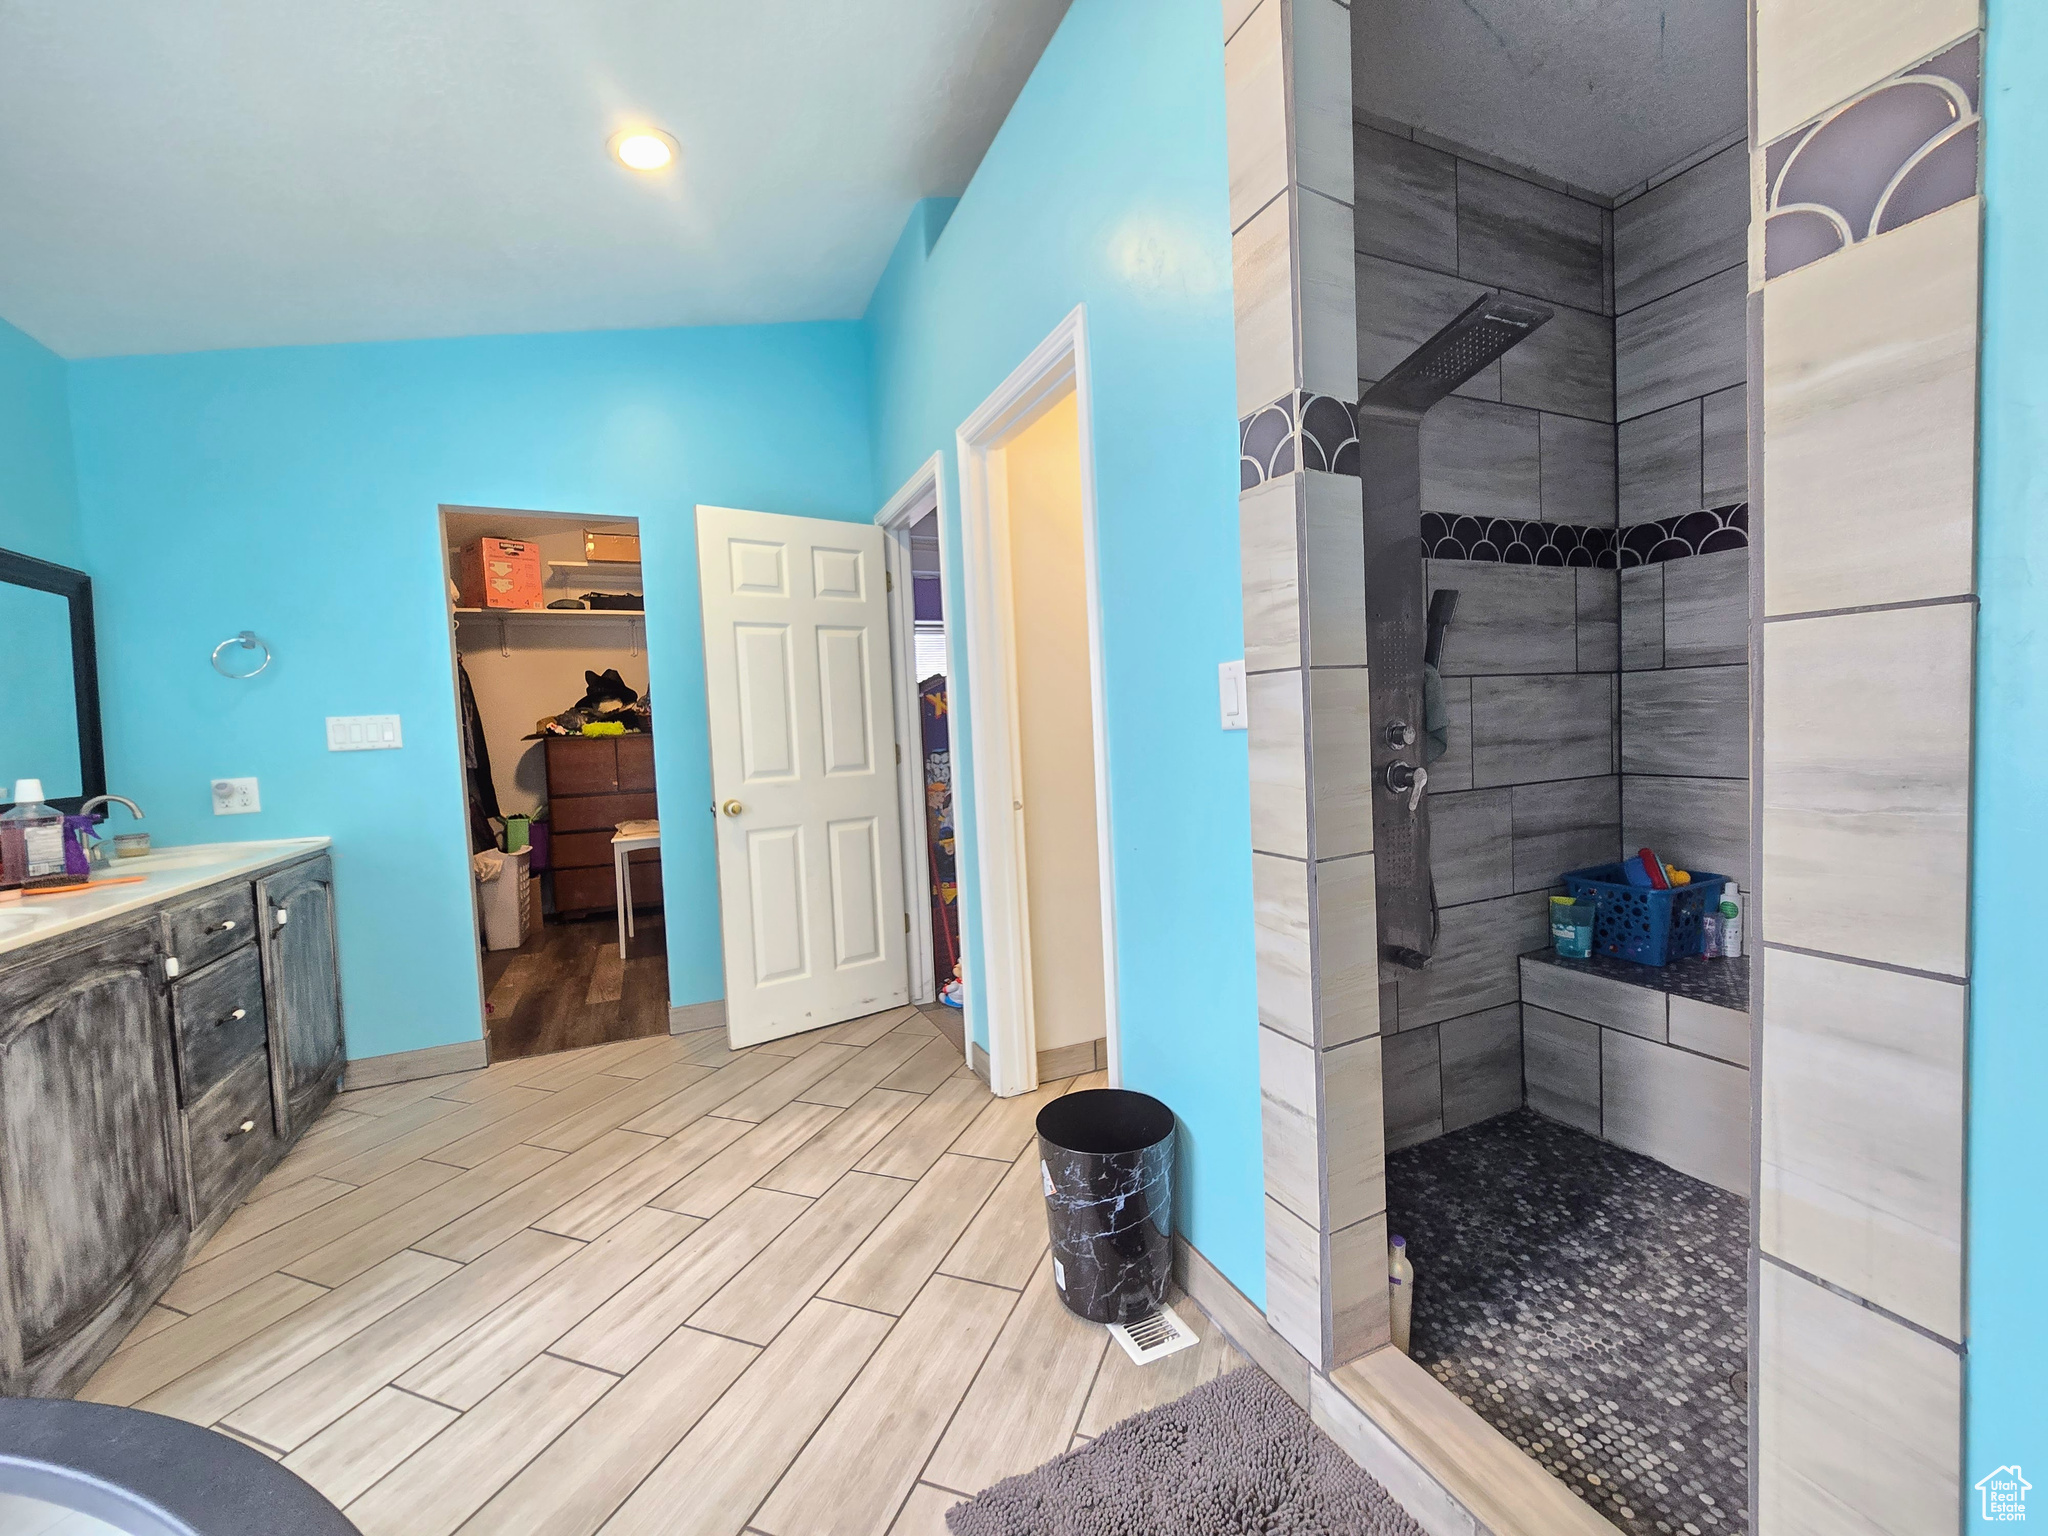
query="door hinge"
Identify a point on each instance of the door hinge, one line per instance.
(906, 922)
(888, 581)
(899, 754)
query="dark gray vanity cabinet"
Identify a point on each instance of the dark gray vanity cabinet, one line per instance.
(303, 986)
(91, 1199)
(153, 1067)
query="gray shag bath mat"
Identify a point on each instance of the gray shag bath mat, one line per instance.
(1233, 1458)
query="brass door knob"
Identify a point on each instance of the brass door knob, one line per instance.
(733, 807)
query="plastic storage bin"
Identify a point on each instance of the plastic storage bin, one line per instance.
(1648, 927)
(1105, 1156)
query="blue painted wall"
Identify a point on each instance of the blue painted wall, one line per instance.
(39, 517)
(2007, 1418)
(38, 493)
(294, 492)
(1108, 187)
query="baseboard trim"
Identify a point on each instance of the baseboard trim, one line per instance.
(406, 1066)
(1061, 1061)
(1236, 1314)
(685, 1018)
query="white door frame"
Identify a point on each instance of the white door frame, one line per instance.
(924, 491)
(1057, 364)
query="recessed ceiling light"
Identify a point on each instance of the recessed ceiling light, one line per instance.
(644, 149)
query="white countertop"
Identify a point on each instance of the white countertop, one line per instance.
(166, 873)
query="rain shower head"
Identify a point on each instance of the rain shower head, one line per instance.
(1482, 333)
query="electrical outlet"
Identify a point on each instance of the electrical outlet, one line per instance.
(235, 797)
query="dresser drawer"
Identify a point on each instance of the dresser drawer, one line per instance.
(231, 1136)
(581, 850)
(582, 765)
(581, 890)
(586, 813)
(220, 1022)
(202, 931)
(636, 762)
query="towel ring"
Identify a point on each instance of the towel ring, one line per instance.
(247, 641)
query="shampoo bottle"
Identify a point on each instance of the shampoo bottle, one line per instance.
(32, 841)
(1400, 1291)
(1731, 921)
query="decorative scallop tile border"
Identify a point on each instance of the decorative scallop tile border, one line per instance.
(1310, 431)
(1297, 431)
(1510, 541)
(1905, 148)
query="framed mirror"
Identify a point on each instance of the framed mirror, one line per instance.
(50, 685)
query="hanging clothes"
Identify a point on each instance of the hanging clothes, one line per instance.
(938, 808)
(476, 766)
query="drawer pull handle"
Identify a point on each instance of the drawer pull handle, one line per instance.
(226, 926)
(232, 1018)
(241, 1130)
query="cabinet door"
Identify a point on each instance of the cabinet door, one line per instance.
(303, 983)
(89, 1180)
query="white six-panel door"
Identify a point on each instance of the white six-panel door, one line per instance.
(803, 770)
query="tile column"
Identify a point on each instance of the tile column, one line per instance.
(1287, 73)
(1864, 279)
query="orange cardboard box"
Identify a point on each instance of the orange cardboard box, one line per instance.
(498, 573)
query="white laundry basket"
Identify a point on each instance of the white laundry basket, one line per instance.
(508, 903)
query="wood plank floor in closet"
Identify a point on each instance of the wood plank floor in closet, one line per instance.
(652, 1286)
(566, 987)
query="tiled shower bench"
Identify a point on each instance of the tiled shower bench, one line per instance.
(1652, 1058)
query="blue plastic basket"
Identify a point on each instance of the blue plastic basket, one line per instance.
(1632, 922)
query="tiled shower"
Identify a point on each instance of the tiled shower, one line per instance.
(1586, 497)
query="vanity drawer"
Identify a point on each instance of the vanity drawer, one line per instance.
(220, 1021)
(231, 1136)
(214, 925)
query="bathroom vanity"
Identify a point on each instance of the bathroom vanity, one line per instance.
(161, 1045)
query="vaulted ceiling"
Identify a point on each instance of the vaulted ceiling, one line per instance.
(235, 173)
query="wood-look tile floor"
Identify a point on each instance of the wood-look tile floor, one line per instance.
(567, 987)
(656, 1286)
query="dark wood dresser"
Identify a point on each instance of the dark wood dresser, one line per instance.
(594, 783)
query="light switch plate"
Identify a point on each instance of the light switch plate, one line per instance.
(235, 797)
(364, 733)
(1237, 714)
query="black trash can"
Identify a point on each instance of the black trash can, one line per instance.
(1106, 1159)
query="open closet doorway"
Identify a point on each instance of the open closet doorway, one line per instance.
(557, 763)
(1033, 624)
(918, 610)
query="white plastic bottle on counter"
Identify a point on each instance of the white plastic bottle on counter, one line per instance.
(1731, 921)
(1400, 1291)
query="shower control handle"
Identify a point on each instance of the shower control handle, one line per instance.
(1407, 779)
(1400, 734)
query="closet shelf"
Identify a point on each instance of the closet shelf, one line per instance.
(628, 570)
(550, 613)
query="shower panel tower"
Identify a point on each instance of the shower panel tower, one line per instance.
(1390, 470)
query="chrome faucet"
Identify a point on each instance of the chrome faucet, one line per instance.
(133, 809)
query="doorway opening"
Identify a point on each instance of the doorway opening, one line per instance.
(556, 755)
(914, 549)
(1034, 652)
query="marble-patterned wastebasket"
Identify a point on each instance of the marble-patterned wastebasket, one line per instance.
(1106, 1160)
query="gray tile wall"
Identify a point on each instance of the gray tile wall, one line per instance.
(1527, 790)
(1680, 397)
(1684, 711)
(1531, 436)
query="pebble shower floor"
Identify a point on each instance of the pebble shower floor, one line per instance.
(1590, 1304)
